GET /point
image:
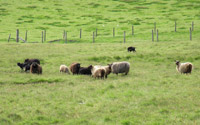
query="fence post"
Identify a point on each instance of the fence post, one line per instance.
(132, 30)
(155, 27)
(175, 26)
(152, 36)
(42, 36)
(157, 35)
(80, 33)
(17, 36)
(96, 32)
(192, 26)
(9, 37)
(113, 32)
(190, 33)
(26, 36)
(93, 37)
(124, 36)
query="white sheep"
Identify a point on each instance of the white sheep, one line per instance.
(64, 68)
(120, 67)
(184, 67)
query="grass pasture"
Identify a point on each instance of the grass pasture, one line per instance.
(73, 15)
(152, 93)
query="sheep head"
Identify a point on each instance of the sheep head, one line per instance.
(177, 62)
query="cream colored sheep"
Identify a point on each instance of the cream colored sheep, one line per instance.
(64, 68)
(184, 67)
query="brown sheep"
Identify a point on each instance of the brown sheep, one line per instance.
(35, 68)
(74, 68)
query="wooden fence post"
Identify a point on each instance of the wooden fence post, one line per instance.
(132, 30)
(113, 32)
(26, 36)
(175, 26)
(9, 37)
(124, 36)
(157, 35)
(155, 27)
(152, 36)
(93, 37)
(80, 33)
(17, 36)
(190, 33)
(42, 36)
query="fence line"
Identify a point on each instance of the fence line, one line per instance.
(95, 34)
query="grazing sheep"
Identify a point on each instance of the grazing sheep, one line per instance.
(99, 73)
(35, 68)
(27, 63)
(120, 67)
(74, 68)
(184, 67)
(64, 68)
(131, 49)
(85, 70)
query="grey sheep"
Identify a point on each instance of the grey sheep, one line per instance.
(120, 67)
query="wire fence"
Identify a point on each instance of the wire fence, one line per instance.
(106, 35)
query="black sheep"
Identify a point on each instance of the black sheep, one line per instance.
(85, 70)
(30, 61)
(131, 49)
(27, 63)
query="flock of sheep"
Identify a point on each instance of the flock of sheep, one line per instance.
(97, 71)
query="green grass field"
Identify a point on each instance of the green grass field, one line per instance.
(152, 93)
(73, 15)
